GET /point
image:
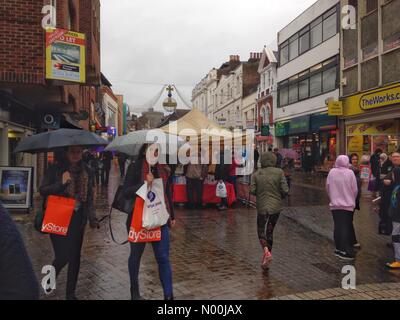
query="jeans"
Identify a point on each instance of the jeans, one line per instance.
(67, 251)
(343, 231)
(194, 190)
(161, 252)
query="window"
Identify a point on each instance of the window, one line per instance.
(371, 5)
(330, 26)
(304, 40)
(316, 85)
(284, 55)
(303, 89)
(293, 93)
(316, 32)
(284, 96)
(329, 79)
(293, 47)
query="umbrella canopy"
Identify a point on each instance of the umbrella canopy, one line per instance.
(59, 139)
(131, 143)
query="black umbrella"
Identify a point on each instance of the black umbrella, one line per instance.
(58, 139)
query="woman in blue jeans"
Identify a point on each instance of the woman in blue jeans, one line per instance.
(139, 172)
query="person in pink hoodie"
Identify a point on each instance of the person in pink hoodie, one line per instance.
(342, 189)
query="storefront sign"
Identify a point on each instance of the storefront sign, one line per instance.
(335, 108)
(265, 132)
(375, 99)
(299, 125)
(322, 122)
(389, 127)
(281, 129)
(16, 187)
(65, 55)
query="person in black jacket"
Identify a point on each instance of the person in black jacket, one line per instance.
(17, 279)
(385, 168)
(136, 175)
(71, 178)
(222, 174)
(354, 165)
(394, 212)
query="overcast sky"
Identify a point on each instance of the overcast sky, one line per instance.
(148, 43)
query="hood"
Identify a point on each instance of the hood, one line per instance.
(342, 162)
(268, 159)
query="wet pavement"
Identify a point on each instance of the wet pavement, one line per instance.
(216, 255)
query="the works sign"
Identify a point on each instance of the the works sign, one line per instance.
(380, 98)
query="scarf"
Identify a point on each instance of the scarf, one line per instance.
(78, 187)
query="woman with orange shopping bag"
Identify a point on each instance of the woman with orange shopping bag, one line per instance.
(69, 179)
(138, 173)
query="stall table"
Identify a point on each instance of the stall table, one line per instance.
(209, 194)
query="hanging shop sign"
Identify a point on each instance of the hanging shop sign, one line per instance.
(389, 127)
(265, 130)
(375, 99)
(335, 108)
(322, 122)
(16, 187)
(65, 55)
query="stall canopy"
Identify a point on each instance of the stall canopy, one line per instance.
(196, 124)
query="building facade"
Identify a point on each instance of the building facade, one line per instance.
(370, 78)
(266, 98)
(203, 93)
(308, 76)
(29, 102)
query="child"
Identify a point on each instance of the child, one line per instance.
(394, 213)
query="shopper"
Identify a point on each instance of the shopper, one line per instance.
(394, 213)
(385, 168)
(269, 185)
(374, 162)
(121, 163)
(342, 189)
(354, 166)
(106, 160)
(71, 178)
(256, 158)
(17, 279)
(195, 173)
(279, 158)
(136, 175)
(222, 175)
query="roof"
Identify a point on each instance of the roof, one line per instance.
(179, 113)
(105, 81)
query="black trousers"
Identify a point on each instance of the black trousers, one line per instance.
(67, 251)
(344, 234)
(105, 176)
(194, 190)
(266, 224)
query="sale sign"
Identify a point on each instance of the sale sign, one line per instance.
(65, 55)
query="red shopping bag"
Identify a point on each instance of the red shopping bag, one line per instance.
(58, 214)
(137, 234)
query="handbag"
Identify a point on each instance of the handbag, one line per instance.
(221, 191)
(121, 203)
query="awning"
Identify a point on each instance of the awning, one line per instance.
(68, 123)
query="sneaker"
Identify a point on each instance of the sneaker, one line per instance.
(345, 256)
(394, 265)
(266, 260)
(337, 252)
(357, 246)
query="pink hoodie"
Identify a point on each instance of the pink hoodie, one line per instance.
(342, 186)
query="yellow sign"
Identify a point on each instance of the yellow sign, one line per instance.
(65, 55)
(335, 108)
(389, 127)
(356, 144)
(362, 103)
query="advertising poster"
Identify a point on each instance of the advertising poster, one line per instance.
(65, 55)
(16, 187)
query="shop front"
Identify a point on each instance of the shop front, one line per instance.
(310, 140)
(372, 121)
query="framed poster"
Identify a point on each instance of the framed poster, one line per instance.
(16, 187)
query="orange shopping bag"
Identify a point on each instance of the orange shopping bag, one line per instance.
(137, 234)
(58, 214)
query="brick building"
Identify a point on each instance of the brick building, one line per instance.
(26, 96)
